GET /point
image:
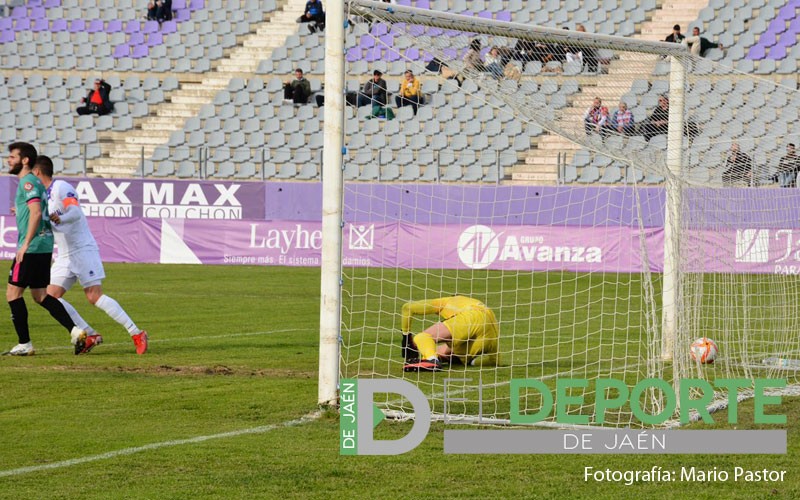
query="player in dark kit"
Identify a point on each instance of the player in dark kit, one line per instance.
(31, 265)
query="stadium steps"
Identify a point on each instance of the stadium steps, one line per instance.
(122, 153)
(540, 163)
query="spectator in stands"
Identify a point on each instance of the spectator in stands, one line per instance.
(788, 168)
(596, 118)
(159, 10)
(739, 167)
(410, 92)
(298, 90)
(658, 121)
(494, 63)
(313, 14)
(472, 59)
(97, 100)
(374, 91)
(622, 121)
(676, 36)
(589, 55)
(698, 44)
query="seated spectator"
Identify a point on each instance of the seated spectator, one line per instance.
(472, 59)
(596, 118)
(622, 121)
(739, 167)
(298, 90)
(698, 45)
(159, 10)
(658, 121)
(97, 100)
(494, 63)
(410, 92)
(788, 168)
(313, 14)
(676, 36)
(374, 91)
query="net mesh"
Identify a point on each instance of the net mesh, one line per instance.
(573, 273)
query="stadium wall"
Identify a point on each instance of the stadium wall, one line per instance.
(423, 226)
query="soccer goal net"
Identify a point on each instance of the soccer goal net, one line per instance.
(612, 201)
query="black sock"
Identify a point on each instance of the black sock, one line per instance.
(57, 310)
(19, 316)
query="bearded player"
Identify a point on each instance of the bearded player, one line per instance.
(79, 260)
(467, 333)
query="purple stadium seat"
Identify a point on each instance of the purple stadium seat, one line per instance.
(149, 27)
(450, 54)
(7, 36)
(387, 40)
(37, 13)
(52, 3)
(787, 12)
(768, 39)
(423, 4)
(168, 27)
(373, 54)
(756, 52)
(182, 15)
(139, 51)
(366, 42)
(416, 30)
(485, 14)
(379, 29)
(114, 26)
(777, 52)
(353, 54)
(22, 24)
(58, 25)
(412, 53)
(504, 15)
(19, 12)
(6, 23)
(407, 3)
(197, 5)
(135, 39)
(34, 3)
(391, 55)
(38, 25)
(77, 25)
(777, 25)
(178, 4)
(132, 26)
(467, 13)
(122, 50)
(95, 26)
(154, 39)
(427, 56)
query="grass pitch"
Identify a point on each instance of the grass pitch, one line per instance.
(234, 350)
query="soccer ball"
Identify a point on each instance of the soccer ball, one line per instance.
(704, 350)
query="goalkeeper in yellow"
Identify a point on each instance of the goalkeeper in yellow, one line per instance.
(467, 333)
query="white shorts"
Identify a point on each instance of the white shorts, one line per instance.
(84, 267)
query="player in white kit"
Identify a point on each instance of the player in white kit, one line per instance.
(79, 260)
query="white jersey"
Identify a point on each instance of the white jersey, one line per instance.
(72, 235)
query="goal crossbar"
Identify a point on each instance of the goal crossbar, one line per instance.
(446, 20)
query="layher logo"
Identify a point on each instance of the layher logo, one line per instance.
(479, 247)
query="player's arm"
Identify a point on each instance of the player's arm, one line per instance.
(34, 216)
(70, 214)
(420, 308)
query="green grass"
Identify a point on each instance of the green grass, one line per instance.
(235, 348)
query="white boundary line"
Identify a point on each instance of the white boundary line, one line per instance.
(159, 340)
(164, 444)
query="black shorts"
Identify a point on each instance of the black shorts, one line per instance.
(32, 272)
